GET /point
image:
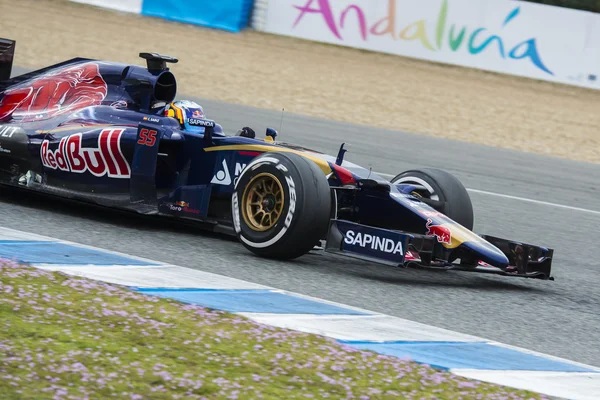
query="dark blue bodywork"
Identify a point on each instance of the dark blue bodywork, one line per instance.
(105, 140)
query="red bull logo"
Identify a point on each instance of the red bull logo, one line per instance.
(442, 233)
(182, 204)
(71, 156)
(55, 93)
(197, 114)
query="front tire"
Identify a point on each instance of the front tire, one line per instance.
(281, 205)
(444, 188)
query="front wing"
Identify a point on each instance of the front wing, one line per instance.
(411, 250)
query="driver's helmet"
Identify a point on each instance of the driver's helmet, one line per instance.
(183, 111)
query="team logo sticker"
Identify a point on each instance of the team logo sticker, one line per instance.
(182, 206)
(105, 160)
(55, 93)
(223, 175)
(373, 242)
(442, 233)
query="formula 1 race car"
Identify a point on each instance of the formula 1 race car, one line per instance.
(95, 131)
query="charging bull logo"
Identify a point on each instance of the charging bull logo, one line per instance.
(442, 233)
(55, 93)
(106, 159)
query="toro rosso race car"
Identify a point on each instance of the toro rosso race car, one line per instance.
(98, 132)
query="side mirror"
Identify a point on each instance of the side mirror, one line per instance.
(340, 157)
(272, 133)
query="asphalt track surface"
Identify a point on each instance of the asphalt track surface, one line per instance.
(561, 318)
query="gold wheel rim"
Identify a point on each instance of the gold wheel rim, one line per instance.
(262, 202)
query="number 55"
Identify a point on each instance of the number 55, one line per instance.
(147, 137)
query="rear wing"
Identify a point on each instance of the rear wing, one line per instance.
(7, 54)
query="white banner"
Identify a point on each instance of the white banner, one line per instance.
(133, 6)
(507, 36)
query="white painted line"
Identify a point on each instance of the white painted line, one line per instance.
(12, 234)
(376, 328)
(162, 276)
(384, 175)
(67, 268)
(506, 196)
(545, 203)
(568, 385)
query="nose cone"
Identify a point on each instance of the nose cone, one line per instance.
(488, 253)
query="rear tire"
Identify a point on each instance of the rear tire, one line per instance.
(281, 205)
(444, 187)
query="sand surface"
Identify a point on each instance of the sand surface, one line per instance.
(319, 80)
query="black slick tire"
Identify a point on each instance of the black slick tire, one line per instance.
(304, 218)
(445, 188)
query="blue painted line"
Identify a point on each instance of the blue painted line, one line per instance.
(43, 252)
(469, 355)
(257, 301)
